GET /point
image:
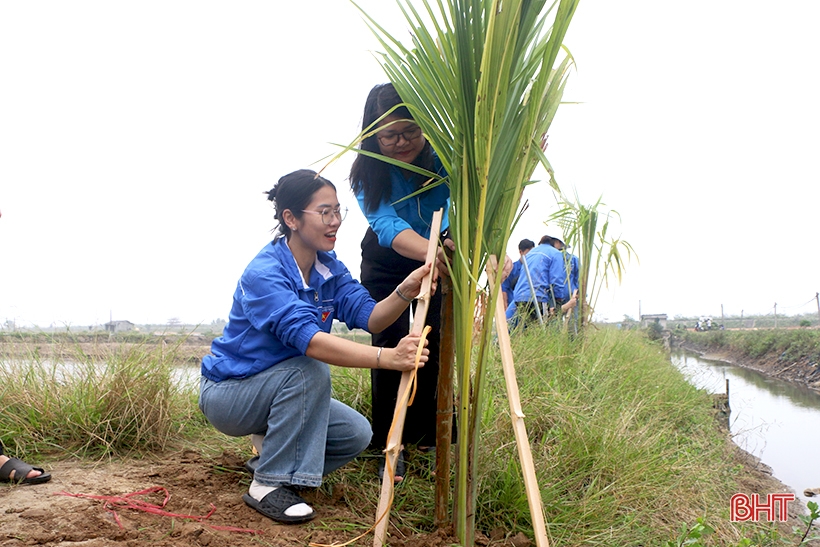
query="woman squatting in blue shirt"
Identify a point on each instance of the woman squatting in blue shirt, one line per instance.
(268, 374)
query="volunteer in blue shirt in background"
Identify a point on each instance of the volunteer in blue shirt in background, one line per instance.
(570, 262)
(549, 279)
(572, 273)
(267, 375)
(508, 285)
(394, 245)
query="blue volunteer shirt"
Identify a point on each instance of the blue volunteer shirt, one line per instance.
(275, 313)
(508, 285)
(415, 213)
(546, 267)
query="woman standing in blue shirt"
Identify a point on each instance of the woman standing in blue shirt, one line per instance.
(394, 245)
(267, 374)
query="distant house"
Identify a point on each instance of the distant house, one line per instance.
(647, 320)
(120, 326)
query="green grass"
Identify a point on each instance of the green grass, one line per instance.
(124, 400)
(626, 451)
(623, 445)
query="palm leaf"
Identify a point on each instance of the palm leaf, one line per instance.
(599, 254)
(483, 79)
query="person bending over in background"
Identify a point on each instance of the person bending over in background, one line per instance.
(548, 275)
(572, 271)
(267, 375)
(508, 285)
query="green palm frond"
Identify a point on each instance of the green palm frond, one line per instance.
(599, 254)
(483, 79)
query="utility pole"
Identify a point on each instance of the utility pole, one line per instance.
(722, 319)
(741, 319)
(817, 297)
(775, 315)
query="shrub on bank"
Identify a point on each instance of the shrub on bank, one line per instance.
(792, 344)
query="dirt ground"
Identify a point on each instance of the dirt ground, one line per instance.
(40, 515)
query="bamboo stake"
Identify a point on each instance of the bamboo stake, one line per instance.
(444, 403)
(393, 446)
(517, 415)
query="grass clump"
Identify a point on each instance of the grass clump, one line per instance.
(118, 399)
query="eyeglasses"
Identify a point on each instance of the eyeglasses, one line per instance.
(390, 139)
(328, 214)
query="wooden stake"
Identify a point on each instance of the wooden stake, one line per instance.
(444, 403)
(517, 415)
(393, 447)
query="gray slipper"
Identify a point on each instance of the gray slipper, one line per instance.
(21, 469)
(277, 502)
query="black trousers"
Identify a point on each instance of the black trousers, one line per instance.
(382, 270)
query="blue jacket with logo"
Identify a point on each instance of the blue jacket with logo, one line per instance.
(414, 213)
(275, 315)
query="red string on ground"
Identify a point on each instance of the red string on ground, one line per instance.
(129, 501)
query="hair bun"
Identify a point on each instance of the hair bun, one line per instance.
(271, 193)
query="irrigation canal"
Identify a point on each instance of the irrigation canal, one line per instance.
(776, 421)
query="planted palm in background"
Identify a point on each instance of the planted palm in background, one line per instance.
(483, 79)
(600, 255)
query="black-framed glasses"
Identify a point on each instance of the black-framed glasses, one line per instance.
(388, 138)
(328, 214)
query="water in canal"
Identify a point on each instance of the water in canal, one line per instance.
(776, 421)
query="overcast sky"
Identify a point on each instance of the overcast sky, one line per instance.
(136, 139)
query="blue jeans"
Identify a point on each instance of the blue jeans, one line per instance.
(307, 434)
